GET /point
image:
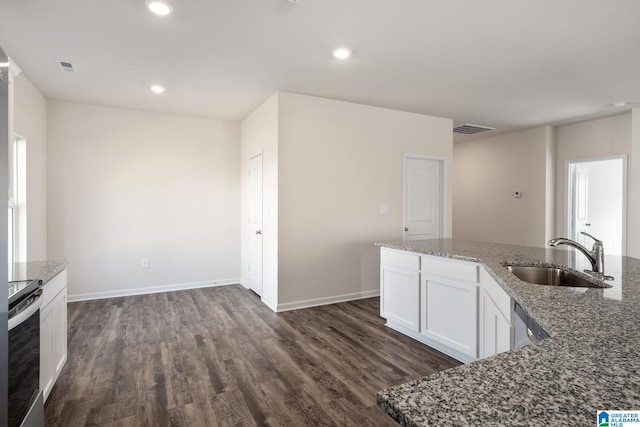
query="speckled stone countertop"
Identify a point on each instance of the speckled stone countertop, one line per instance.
(43, 270)
(590, 363)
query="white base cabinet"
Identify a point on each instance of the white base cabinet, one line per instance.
(452, 305)
(53, 331)
(400, 289)
(496, 318)
(451, 314)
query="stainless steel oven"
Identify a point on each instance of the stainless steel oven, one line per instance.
(25, 405)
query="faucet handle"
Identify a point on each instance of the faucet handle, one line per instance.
(597, 241)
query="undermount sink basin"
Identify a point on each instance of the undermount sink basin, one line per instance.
(552, 276)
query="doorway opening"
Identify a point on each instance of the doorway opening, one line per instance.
(597, 202)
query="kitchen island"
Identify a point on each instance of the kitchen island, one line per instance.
(590, 363)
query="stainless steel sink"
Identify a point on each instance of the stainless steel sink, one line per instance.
(552, 276)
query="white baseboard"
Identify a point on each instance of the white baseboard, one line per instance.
(324, 301)
(269, 303)
(151, 290)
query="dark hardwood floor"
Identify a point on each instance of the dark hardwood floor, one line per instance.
(218, 356)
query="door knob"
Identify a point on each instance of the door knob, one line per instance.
(258, 231)
(406, 229)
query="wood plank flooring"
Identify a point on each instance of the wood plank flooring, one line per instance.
(219, 357)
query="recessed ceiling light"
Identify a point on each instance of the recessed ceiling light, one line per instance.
(341, 53)
(619, 104)
(157, 89)
(159, 7)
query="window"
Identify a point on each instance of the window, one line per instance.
(17, 215)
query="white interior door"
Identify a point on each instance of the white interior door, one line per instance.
(580, 203)
(422, 198)
(255, 224)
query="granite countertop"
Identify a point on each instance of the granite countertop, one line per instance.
(590, 363)
(34, 270)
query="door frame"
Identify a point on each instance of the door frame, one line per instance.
(568, 193)
(444, 186)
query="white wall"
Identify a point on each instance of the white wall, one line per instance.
(30, 122)
(259, 134)
(550, 196)
(126, 185)
(587, 140)
(633, 189)
(487, 172)
(338, 162)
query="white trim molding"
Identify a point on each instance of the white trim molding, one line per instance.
(323, 301)
(151, 290)
(269, 303)
(13, 68)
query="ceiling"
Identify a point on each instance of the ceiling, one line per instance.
(508, 64)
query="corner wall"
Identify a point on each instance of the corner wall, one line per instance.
(338, 162)
(487, 172)
(259, 134)
(30, 122)
(126, 185)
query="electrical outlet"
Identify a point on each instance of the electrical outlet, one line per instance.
(145, 263)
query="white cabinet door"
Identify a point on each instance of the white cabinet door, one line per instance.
(451, 316)
(495, 330)
(496, 312)
(46, 333)
(400, 296)
(59, 333)
(53, 332)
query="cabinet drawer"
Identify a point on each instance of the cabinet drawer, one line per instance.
(497, 294)
(53, 287)
(454, 269)
(400, 259)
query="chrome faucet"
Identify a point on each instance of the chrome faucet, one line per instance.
(595, 255)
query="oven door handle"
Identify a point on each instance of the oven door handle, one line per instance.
(27, 312)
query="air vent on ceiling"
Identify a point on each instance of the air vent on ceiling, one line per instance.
(66, 66)
(469, 129)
